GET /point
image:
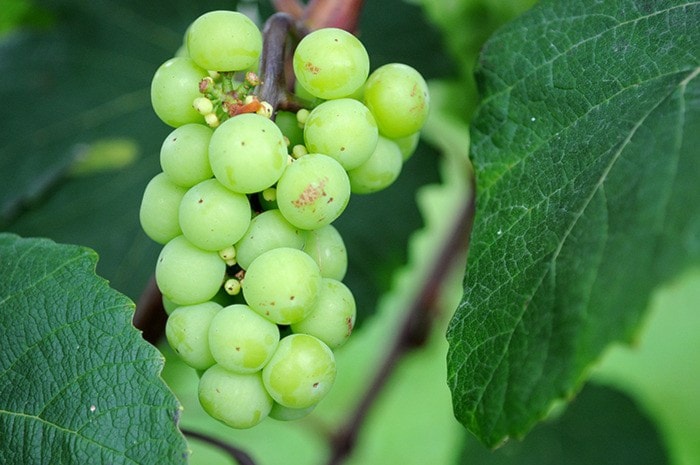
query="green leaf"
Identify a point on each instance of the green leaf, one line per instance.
(78, 384)
(585, 150)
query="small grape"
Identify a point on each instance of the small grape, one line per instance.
(268, 230)
(288, 124)
(160, 204)
(326, 246)
(247, 153)
(187, 274)
(224, 41)
(408, 144)
(213, 217)
(174, 87)
(331, 63)
(313, 191)
(281, 413)
(237, 399)
(241, 340)
(333, 315)
(187, 332)
(301, 371)
(380, 171)
(282, 285)
(397, 96)
(343, 129)
(184, 155)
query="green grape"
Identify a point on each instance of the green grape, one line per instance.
(213, 217)
(187, 332)
(158, 213)
(288, 124)
(330, 63)
(169, 306)
(282, 413)
(247, 153)
(397, 96)
(241, 340)
(282, 285)
(224, 41)
(236, 399)
(184, 155)
(326, 246)
(313, 191)
(301, 371)
(380, 171)
(174, 87)
(407, 145)
(333, 316)
(343, 129)
(186, 274)
(268, 230)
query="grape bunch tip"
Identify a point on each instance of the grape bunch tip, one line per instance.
(251, 269)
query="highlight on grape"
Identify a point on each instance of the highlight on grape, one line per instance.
(251, 267)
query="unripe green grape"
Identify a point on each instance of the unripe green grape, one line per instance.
(187, 274)
(242, 341)
(397, 96)
(268, 230)
(288, 124)
(236, 399)
(343, 129)
(247, 153)
(281, 413)
(380, 171)
(301, 371)
(174, 87)
(407, 145)
(326, 246)
(331, 63)
(212, 217)
(333, 316)
(313, 191)
(282, 285)
(160, 204)
(187, 332)
(184, 155)
(224, 41)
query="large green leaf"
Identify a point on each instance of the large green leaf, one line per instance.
(78, 384)
(585, 149)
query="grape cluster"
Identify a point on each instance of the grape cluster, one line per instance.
(251, 267)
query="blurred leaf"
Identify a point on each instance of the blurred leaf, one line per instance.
(63, 397)
(661, 369)
(585, 150)
(601, 426)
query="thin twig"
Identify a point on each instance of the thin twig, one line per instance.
(239, 455)
(413, 332)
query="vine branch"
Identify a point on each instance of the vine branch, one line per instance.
(239, 455)
(414, 330)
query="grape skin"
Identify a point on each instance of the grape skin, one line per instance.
(184, 155)
(224, 41)
(301, 372)
(248, 153)
(239, 400)
(187, 332)
(159, 210)
(174, 87)
(187, 274)
(331, 63)
(313, 191)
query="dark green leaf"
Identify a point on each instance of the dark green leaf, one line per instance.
(78, 384)
(585, 149)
